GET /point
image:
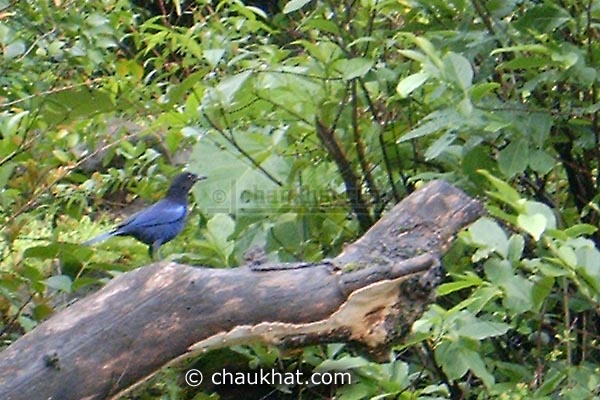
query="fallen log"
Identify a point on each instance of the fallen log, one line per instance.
(156, 315)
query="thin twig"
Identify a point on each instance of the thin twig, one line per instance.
(300, 74)
(243, 152)
(52, 91)
(289, 111)
(360, 150)
(351, 181)
(63, 172)
(370, 26)
(382, 144)
(594, 91)
(16, 316)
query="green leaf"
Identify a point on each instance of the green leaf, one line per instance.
(284, 234)
(535, 48)
(13, 124)
(540, 161)
(567, 60)
(488, 234)
(449, 356)
(76, 104)
(552, 269)
(55, 48)
(552, 381)
(516, 245)
(61, 155)
(343, 364)
(434, 122)
(538, 127)
(457, 359)
(322, 24)
(513, 159)
(541, 290)
(567, 255)
(588, 262)
(59, 282)
(440, 145)
(543, 18)
(413, 55)
(213, 56)
(31, 273)
(504, 191)
(353, 68)
(532, 62)
(429, 49)
(42, 252)
(27, 323)
(534, 224)
(477, 158)
(479, 90)
(229, 86)
(96, 20)
(219, 228)
(478, 367)
(481, 297)
(15, 49)
(356, 391)
(479, 330)
(458, 69)
(465, 107)
(412, 82)
(294, 5)
(324, 52)
(6, 172)
(498, 271)
(106, 42)
(580, 229)
(192, 84)
(465, 281)
(519, 297)
(535, 207)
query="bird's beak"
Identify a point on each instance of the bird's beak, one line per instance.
(200, 178)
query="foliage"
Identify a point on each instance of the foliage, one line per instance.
(310, 121)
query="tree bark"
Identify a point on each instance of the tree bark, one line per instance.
(159, 314)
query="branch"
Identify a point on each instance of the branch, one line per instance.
(351, 181)
(142, 320)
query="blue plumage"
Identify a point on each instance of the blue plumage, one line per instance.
(162, 221)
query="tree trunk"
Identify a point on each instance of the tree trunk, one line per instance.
(155, 315)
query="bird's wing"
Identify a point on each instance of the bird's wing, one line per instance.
(161, 213)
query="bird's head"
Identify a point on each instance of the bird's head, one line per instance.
(182, 183)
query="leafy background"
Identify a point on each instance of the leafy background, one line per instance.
(311, 118)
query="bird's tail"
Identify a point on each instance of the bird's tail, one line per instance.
(98, 238)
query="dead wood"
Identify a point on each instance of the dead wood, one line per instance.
(158, 314)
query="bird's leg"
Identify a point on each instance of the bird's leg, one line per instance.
(154, 251)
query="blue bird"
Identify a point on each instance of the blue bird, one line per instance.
(162, 221)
